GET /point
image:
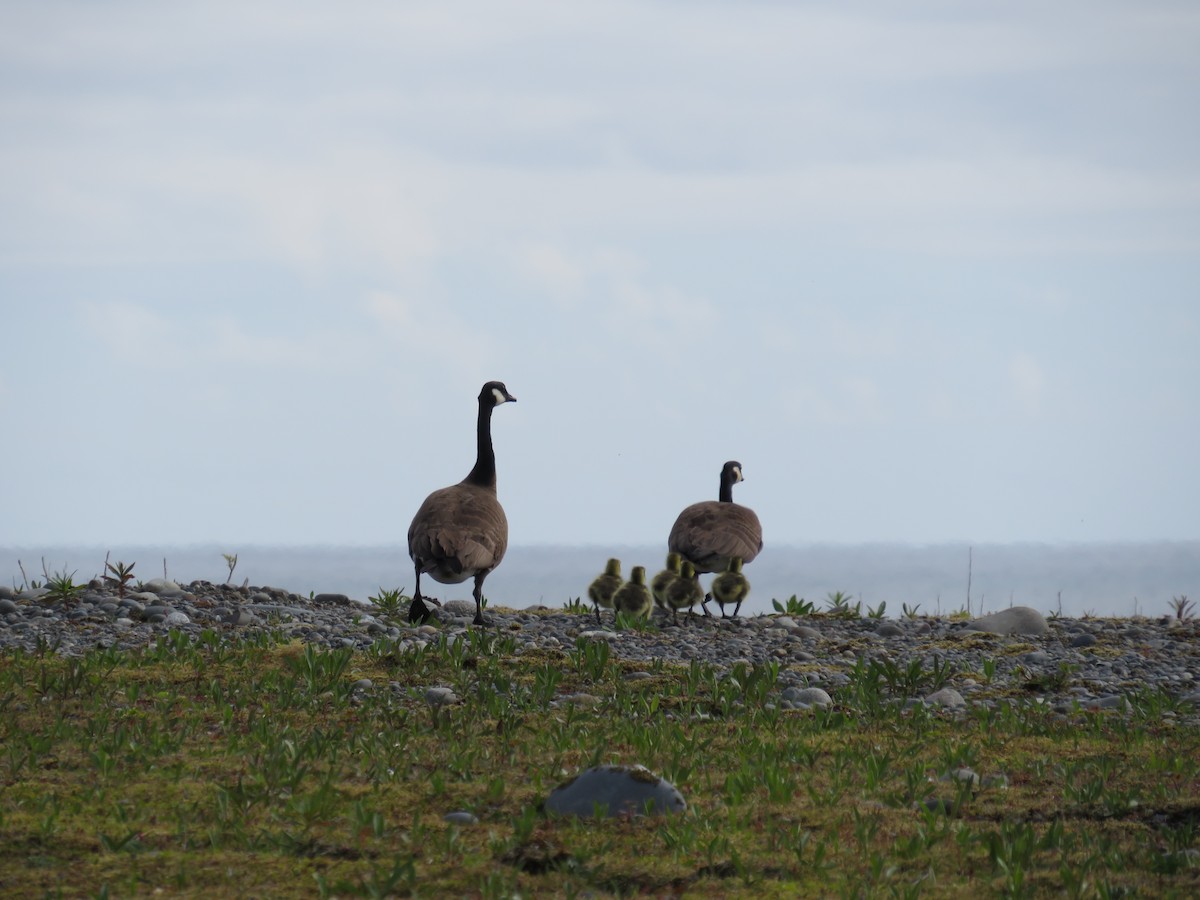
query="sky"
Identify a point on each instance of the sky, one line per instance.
(930, 271)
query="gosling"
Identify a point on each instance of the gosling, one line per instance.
(684, 592)
(731, 586)
(661, 581)
(633, 598)
(601, 590)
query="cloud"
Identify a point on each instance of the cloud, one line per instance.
(131, 330)
(428, 330)
(552, 271)
(1028, 382)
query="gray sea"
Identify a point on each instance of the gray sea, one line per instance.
(1102, 579)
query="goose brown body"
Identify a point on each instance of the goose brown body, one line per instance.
(710, 533)
(460, 532)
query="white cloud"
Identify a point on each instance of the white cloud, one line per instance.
(551, 270)
(1028, 381)
(131, 330)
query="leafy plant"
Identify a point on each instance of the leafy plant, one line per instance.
(839, 603)
(392, 604)
(1183, 607)
(121, 575)
(794, 607)
(61, 587)
(910, 612)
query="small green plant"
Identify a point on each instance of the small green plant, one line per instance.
(626, 622)
(876, 612)
(62, 587)
(576, 605)
(794, 607)
(910, 612)
(392, 604)
(121, 575)
(839, 603)
(1183, 607)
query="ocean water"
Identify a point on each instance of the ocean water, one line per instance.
(1103, 579)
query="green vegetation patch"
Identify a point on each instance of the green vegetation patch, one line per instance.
(221, 767)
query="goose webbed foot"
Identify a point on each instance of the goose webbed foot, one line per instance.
(421, 609)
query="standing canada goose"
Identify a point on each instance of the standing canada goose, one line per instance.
(684, 592)
(710, 533)
(460, 531)
(661, 581)
(602, 588)
(731, 586)
(633, 597)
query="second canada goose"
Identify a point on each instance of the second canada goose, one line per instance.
(731, 586)
(461, 531)
(660, 582)
(633, 597)
(684, 592)
(710, 533)
(604, 585)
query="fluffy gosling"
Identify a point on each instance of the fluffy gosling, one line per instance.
(661, 581)
(633, 598)
(731, 586)
(684, 592)
(601, 590)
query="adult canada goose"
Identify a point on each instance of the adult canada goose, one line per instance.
(710, 533)
(633, 597)
(604, 585)
(684, 591)
(731, 586)
(660, 582)
(460, 531)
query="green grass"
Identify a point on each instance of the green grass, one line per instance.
(255, 768)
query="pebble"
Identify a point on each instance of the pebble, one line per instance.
(1073, 665)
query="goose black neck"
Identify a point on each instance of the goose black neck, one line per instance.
(726, 494)
(484, 473)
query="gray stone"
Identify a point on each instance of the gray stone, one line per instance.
(1084, 639)
(440, 696)
(461, 817)
(810, 696)
(176, 618)
(331, 598)
(614, 791)
(460, 607)
(1015, 620)
(160, 586)
(7, 606)
(948, 697)
(889, 629)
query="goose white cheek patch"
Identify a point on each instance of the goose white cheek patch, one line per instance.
(500, 398)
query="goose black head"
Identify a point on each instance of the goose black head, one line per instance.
(496, 392)
(732, 471)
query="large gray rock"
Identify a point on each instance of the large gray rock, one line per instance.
(614, 791)
(1015, 620)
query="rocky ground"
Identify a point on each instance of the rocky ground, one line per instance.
(1091, 664)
